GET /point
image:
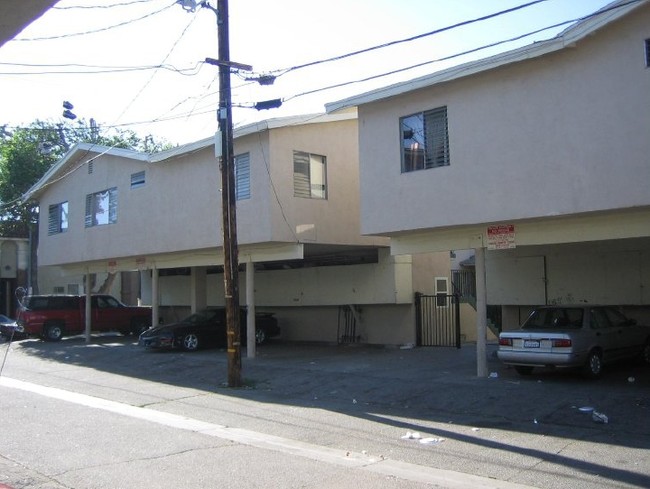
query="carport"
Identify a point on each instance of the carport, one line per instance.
(596, 258)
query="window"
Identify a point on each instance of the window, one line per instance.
(57, 218)
(441, 291)
(647, 53)
(243, 176)
(101, 208)
(137, 179)
(425, 140)
(309, 175)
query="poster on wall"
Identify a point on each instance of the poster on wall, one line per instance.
(501, 237)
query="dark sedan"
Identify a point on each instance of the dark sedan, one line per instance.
(8, 328)
(206, 329)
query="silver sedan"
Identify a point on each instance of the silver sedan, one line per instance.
(585, 336)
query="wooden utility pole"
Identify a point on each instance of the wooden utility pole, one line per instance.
(228, 201)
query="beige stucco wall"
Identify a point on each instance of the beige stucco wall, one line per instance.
(385, 282)
(335, 220)
(565, 133)
(178, 210)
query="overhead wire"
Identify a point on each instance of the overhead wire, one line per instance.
(98, 69)
(411, 38)
(350, 82)
(103, 29)
(137, 95)
(463, 53)
(123, 4)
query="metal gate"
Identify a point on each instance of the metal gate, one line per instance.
(437, 320)
(347, 327)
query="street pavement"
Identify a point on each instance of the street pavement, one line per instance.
(111, 415)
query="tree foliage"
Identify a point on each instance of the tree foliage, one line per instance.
(27, 153)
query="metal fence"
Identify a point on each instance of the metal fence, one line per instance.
(438, 320)
(347, 325)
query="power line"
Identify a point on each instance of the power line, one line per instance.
(193, 112)
(412, 38)
(123, 4)
(137, 95)
(103, 29)
(98, 69)
(470, 51)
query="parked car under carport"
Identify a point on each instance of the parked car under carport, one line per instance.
(585, 336)
(206, 329)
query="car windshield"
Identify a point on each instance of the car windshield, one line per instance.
(555, 318)
(201, 317)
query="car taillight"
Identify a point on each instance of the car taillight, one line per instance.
(565, 343)
(505, 342)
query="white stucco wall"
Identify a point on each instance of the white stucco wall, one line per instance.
(565, 133)
(610, 272)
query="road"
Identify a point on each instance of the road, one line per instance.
(109, 414)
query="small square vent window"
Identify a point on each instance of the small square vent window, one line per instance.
(137, 179)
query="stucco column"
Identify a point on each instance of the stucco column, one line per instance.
(88, 306)
(198, 289)
(481, 314)
(155, 315)
(250, 303)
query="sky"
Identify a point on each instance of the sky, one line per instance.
(139, 64)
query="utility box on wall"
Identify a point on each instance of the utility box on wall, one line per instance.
(8, 260)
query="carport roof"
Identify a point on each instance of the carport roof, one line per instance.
(566, 38)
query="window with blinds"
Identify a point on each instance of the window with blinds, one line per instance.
(57, 218)
(243, 176)
(137, 179)
(101, 208)
(425, 140)
(309, 175)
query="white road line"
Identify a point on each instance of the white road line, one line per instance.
(378, 465)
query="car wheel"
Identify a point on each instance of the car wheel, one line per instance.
(260, 336)
(53, 332)
(138, 327)
(522, 370)
(594, 365)
(190, 342)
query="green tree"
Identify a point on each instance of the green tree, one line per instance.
(27, 153)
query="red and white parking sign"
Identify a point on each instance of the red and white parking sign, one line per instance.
(501, 237)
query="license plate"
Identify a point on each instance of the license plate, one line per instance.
(531, 343)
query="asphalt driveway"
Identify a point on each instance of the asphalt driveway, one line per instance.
(373, 399)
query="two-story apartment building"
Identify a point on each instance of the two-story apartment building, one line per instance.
(538, 159)
(108, 210)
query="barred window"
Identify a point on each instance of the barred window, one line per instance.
(425, 140)
(57, 218)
